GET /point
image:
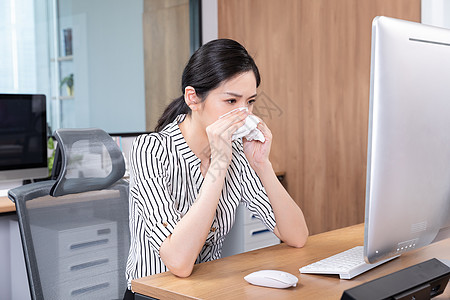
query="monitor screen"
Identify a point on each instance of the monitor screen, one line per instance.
(408, 162)
(23, 137)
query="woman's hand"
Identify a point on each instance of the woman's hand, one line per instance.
(257, 153)
(219, 135)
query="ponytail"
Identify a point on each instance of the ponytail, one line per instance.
(175, 108)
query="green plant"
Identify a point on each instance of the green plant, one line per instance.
(51, 147)
(68, 80)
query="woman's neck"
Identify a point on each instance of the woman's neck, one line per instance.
(195, 136)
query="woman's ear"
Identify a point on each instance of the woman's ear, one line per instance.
(191, 98)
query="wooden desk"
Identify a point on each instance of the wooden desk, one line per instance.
(6, 205)
(223, 278)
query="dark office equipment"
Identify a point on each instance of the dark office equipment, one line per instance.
(422, 281)
(23, 137)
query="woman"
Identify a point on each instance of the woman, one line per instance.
(188, 178)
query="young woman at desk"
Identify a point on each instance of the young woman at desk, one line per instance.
(189, 177)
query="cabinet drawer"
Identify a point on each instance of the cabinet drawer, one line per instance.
(104, 286)
(249, 218)
(257, 244)
(88, 264)
(87, 239)
(259, 234)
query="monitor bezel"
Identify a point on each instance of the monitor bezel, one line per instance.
(36, 169)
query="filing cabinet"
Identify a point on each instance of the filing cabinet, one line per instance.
(82, 256)
(248, 233)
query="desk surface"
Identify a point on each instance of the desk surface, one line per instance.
(223, 278)
(6, 205)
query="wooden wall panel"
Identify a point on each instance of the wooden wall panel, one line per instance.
(314, 58)
(166, 51)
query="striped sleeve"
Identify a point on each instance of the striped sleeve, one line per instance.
(151, 186)
(254, 195)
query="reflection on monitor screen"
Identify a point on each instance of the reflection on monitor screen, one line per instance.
(23, 137)
(408, 163)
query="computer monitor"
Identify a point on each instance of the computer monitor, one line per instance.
(408, 159)
(23, 137)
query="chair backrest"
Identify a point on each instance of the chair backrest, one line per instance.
(76, 243)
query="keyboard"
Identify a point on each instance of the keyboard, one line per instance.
(4, 193)
(347, 264)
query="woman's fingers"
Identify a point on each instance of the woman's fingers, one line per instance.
(232, 118)
(229, 123)
(264, 129)
(220, 133)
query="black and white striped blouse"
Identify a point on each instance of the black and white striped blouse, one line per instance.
(165, 181)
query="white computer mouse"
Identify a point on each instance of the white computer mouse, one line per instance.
(272, 278)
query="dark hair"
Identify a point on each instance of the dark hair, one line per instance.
(208, 67)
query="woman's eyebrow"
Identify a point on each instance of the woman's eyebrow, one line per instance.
(238, 95)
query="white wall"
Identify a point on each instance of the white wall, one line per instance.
(113, 69)
(436, 13)
(209, 21)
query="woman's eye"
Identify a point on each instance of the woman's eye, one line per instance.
(231, 101)
(251, 102)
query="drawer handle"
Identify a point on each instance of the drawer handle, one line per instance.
(88, 244)
(89, 264)
(90, 289)
(256, 232)
(103, 231)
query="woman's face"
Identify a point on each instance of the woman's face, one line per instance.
(237, 92)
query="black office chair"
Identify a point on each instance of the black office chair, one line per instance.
(74, 228)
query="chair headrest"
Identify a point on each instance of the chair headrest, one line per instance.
(85, 160)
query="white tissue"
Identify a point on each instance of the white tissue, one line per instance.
(248, 130)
